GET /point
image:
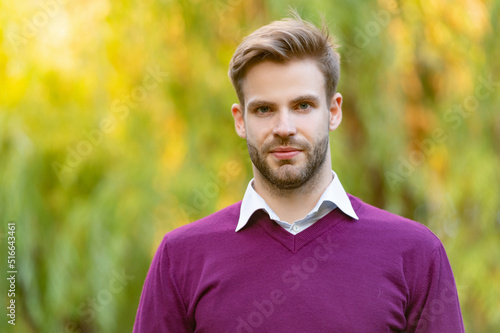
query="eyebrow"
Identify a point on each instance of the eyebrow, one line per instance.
(311, 98)
(258, 103)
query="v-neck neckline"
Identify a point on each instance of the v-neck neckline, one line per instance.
(295, 242)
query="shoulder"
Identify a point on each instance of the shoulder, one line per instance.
(392, 228)
(208, 228)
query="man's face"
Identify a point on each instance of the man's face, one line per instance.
(286, 121)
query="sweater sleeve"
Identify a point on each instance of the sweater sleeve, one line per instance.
(161, 309)
(434, 305)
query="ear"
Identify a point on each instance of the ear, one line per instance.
(239, 120)
(335, 111)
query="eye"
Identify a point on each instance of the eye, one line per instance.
(263, 109)
(304, 106)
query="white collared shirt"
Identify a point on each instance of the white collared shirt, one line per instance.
(334, 196)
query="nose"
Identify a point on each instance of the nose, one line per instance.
(285, 124)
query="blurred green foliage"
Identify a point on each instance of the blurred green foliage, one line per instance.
(115, 128)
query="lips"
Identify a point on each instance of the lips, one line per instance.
(285, 153)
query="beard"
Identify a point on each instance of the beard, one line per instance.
(289, 175)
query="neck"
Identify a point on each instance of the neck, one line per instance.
(294, 204)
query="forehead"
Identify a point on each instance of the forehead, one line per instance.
(281, 82)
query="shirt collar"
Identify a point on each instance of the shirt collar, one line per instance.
(334, 193)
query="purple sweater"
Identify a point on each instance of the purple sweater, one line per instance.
(381, 273)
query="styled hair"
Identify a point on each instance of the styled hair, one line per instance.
(283, 41)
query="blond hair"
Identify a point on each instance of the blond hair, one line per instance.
(282, 41)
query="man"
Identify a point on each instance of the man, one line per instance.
(297, 254)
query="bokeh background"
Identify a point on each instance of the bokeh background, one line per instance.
(115, 128)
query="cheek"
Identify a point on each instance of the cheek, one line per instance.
(313, 128)
(257, 131)
(320, 124)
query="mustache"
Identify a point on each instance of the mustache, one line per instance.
(288, 142)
